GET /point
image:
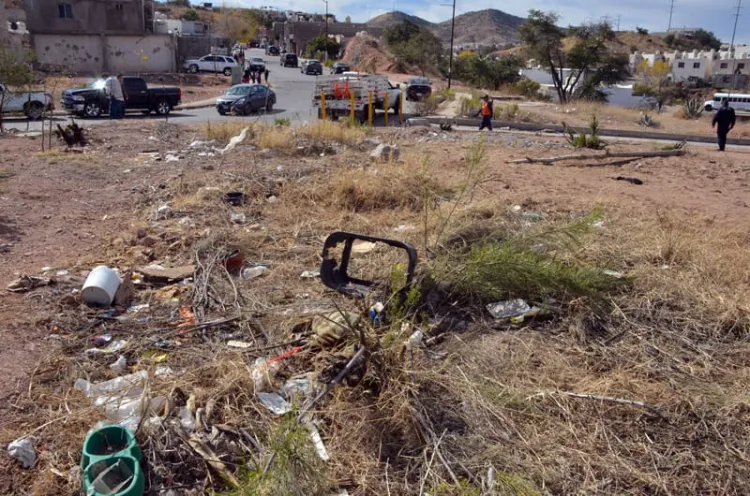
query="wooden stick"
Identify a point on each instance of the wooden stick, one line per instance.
(588, 156)
(610, 399)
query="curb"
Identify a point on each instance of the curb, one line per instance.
(615, 133)
(193, 106)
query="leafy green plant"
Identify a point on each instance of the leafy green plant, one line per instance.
(508, 112)
(282, 122)
(581, 140)
(470, 105)
(447, 94)
(692, 109)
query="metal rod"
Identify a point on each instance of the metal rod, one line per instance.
(671, 9)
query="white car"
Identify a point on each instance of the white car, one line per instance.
(211, 63)
(32, 104)
(256, 61)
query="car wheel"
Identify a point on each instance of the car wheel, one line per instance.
(708, 108)
(92, 109)
(193, 69)
(227, 71)
(269, 106)
(221, 111)
(34, 111)
(163, 107)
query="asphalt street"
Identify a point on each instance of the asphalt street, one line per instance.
(293, 101)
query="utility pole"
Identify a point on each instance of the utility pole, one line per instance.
(731, 47)
(450, 55)
(326, 54)
(671, 10)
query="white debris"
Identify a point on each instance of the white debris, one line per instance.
(310, 274)
(120, 365)
(238, 218)
(201, 144)
(163, 212)
(275, 403)
(385, 152)
(508, 308)
(22, 449)
(171, 158)
(235, 141)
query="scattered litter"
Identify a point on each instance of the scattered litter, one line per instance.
(235, 198)
(363, 247)
(310, 274)
(631, 180)
(207, 192)
(171, 158)
(27, 283)
(376, 314)
(300, 387)
(234, 261)
(275, 403)
(516, 209)
(138, 308)
(100, 287)
(330, 329)
(201, 144)
(186, 221)
(102, 340)
(272, 199)
(614, 273)
(120, 365)
(112, 347)
(599, 224)
(187, 419)
(61, 273)
(533, 216)
(404, 228)
(159, 274)
(320, 448)
(163, 212)
(385, 153)
(235, 141)
(238, 218)
(263, 374)
(22, 449)
(253, 272)
(414, 341)
(509, 308)
(239, 344)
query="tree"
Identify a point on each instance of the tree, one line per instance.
(190, 15)
(641, 31)
(482, 72)
(588, 62)
(706, 39)
(238, 24)
(414, 46)
(323, 44)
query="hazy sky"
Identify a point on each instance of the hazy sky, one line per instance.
(653, 15)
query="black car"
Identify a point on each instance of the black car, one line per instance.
(339, 68)
(273, 50)
(418, 89)
(243, 99)
(289, 60)
(93, 101)
(312, 67)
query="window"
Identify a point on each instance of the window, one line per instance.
(723, 65)
(741, 66)
(681, 65)
(696, 65)
(118, 6)
(65, 10)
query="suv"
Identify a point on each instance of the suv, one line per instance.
(313, 67)
(339, 68)
(211, 63)
(289, 60)
(273, 50)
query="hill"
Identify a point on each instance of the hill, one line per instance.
(485, 27)
(393, 18)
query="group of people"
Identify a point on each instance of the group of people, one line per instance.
(253, 77)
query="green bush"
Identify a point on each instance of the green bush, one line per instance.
(528, 88)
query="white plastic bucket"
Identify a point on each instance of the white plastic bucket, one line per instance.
(100, 286)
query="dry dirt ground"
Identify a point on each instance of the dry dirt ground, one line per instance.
(487, 394)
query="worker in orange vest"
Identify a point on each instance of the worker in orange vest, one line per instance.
(486, 113)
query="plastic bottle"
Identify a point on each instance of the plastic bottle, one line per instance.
(253, 272)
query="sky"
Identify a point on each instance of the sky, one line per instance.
(653, 15)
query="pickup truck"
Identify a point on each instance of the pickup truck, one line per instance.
(94, 102)
(32, 104)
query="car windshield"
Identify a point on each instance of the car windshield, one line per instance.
(420, 81)
(238, 90)
(314, 62)
(257, 59)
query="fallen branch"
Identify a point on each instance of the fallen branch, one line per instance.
(610, 399)
(601, 156)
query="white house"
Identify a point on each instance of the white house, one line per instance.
(180, 27)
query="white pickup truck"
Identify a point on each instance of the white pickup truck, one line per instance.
(31, 104)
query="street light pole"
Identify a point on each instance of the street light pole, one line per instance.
(450, 55)
(326, 1)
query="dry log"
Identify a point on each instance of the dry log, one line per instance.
(599, 156)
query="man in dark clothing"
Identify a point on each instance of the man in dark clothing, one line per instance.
(724, 122)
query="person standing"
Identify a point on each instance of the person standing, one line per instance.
(486, 113)
(113, 88)
(266, 75)
(724, 121)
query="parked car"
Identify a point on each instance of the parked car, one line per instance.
(253, 44)
(243, 99)
(256, 64)
(273, 51)
(94, 102)
(211, 63)
(32, 104)
(313, 67)
(339, 68)
(418, 88)
(289, 60)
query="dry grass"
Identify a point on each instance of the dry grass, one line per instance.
(336, 132)
(223, 131)
(491, 398)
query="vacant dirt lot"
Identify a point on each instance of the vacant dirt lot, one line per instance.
(631, 381)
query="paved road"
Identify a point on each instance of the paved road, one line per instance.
(293, 101)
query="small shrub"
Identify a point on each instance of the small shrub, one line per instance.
(647, 121)
(222, 132)
(470, 105)
(426, 106)
(507, 112)
(581, 140)
(328, 131)
(528, 88)
(692, 109)
(282, 122)
(447, 94)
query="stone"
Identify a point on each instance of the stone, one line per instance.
(385, 153)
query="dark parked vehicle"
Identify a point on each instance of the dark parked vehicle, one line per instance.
(289, 60)
(243, 99)
(339, 68)
(93, 101)
(273, 50)
(312, 67)
(418, 89)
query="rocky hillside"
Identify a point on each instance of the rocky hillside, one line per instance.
(484, 27)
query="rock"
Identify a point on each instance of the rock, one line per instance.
(156, 273)
(332, 328)
(22, 449)
(238, 218)
(163, 212)
(385, 153)
(148, 242)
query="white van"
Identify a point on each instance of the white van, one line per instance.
(738, 101)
